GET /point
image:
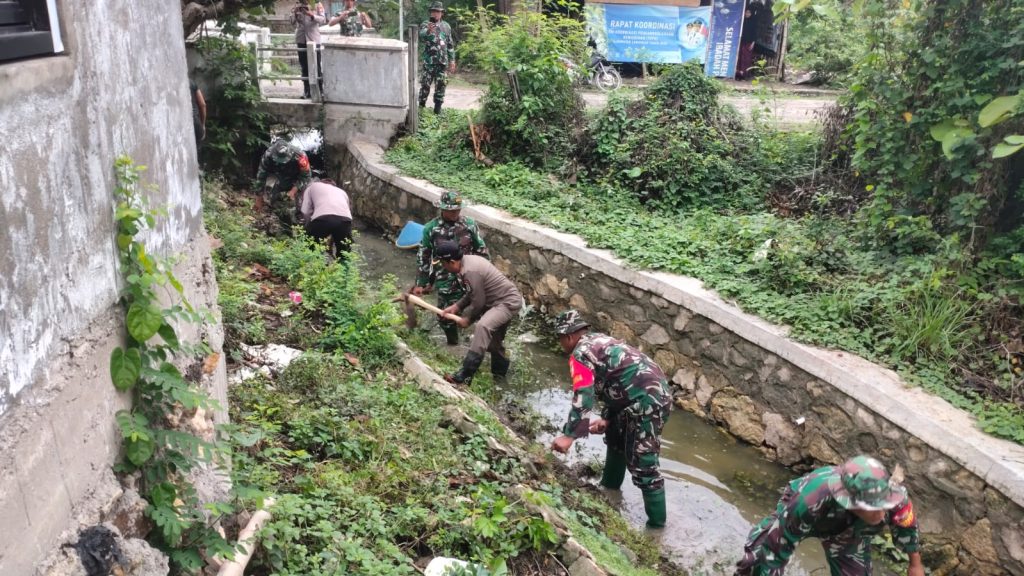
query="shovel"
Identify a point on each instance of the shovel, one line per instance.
(412, 299)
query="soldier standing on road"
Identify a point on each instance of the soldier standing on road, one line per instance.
(845, 506)
(437, 56)
(451, 225)
(491, 300)
(350, 20)
(291, 167)
(636, 401)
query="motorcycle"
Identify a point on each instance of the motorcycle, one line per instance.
(599, 72)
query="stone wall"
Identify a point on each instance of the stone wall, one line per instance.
(803, 406)
(120, 87)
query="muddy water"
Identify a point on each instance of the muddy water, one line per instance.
(716, 487)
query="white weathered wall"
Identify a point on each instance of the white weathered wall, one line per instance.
(120, 88)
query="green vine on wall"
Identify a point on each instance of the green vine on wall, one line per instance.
(163, 455)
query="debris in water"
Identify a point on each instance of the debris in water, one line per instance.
(528, 338)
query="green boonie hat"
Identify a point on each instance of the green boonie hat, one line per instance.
(450, 201)
(569, 322)
(436, 6)
(863, 484)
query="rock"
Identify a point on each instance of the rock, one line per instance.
(682, 319)
(656, 335)
(1013, 540)
(703, 392)
(715, 328)
(105, 552)
(741, 416)
(578, 302)
(572, 550)
(977, 541)
(637, 293)
(690, 405)
(686, 379)
(784, 437)
(538, 260)
(606, 292)
(635, 313)
(917, 451)
(504, 265)
(403, 200)
(554, 286)
(659, 302)
(865, 419)
(665, 360)
(622, 331)
(143, 560)
(128, 515)
(783, 375)
(818, 448)
(585, 567)
(942, 561)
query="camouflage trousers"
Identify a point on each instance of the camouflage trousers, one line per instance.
(285, 209)
(847, 553)
(433, 75)
(635, 432)
(449, 291)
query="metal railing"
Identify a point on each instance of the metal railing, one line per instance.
(264, 63)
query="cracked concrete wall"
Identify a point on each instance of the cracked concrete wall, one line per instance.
(972, 518)
(120, 88)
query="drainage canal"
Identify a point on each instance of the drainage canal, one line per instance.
(717, 487)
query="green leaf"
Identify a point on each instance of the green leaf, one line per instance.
(952, 138)
(634, 172)
(143, 321)
(166, 332)
(123, 241)
(1014, 139)
(1002, 150)
(139, 450)
(163, 494)
(998, 110)
(939, 131)
(125, 366)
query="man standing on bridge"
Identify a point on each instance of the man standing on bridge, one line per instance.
(636, 401)
(291, 167)
(845, 506)
(351, 20)
(450, 225)
(437, 56)
(491, 300)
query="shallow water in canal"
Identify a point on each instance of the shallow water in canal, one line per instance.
(716, 486)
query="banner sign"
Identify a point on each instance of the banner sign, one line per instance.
(662, 34)
(726, 25)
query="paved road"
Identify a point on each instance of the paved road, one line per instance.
(789, 112)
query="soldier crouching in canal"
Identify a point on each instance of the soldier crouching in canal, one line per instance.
(450, 225)
(636, 401)
(845, 506)
(291, 168)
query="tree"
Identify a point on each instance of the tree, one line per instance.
(195, 12)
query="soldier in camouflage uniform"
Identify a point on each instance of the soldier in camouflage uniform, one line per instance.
(636, 399)
(451, 225)
(437, 56)
(845, 506)
(291, 167)
(350, 20)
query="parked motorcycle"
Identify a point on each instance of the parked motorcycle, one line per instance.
(599, 72)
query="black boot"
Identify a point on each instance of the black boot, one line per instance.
(451, 333)
(470, 364)
(499, 364)
(423, 104)
(437, 107)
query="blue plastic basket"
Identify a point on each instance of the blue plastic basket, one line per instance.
(410, 236)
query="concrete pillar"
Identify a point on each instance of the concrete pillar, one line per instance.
(366, 90)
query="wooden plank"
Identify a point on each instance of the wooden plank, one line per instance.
(684, 3)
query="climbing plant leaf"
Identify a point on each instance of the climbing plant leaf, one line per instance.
(166, 332)
(143, 321)
(139, 450)
(125, 366)
(998, 110)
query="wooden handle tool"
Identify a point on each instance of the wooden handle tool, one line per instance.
(428, 306)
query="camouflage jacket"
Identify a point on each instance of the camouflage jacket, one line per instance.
(464, 231)
(351, 24)
(620, 376)
(808, 510)
(291, 168)
(437, 48)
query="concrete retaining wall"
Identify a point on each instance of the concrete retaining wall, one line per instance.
(119, 88)
(802, 405)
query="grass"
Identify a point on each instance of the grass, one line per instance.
(367, 476)
(813, 274)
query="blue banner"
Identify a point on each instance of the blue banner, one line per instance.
(662, 34)
(726, 25)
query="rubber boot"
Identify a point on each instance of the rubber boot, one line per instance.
(654, 505)
(470, 364)
(437, 107)
(423, 104)
(499, 365)
(614, 469)
(451, 334)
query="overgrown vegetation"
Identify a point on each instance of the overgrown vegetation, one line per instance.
(367, 479)
(670, 187)
(156, 445)
(237, 128)
(827, 42)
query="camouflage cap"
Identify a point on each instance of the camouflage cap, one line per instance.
(439, 6)
(862, 483)
(569, 322)
(282, 151)
(450, 200)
